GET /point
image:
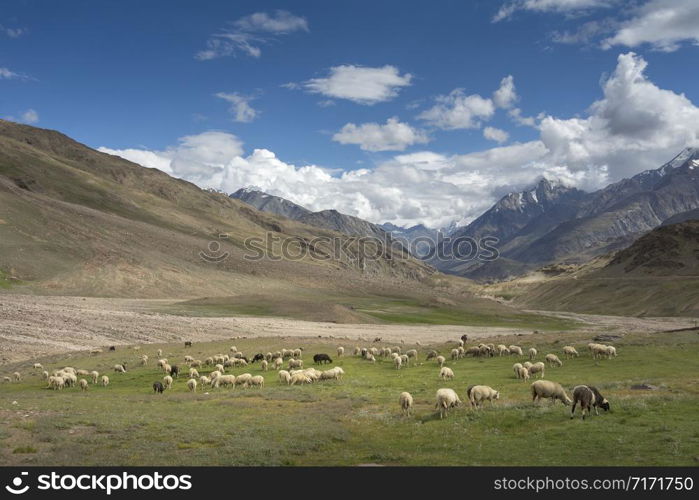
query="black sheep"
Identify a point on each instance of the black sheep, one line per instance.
(174, 371)
(588, 397)
(600, 401)
(158, 387)
(258, 357)
(188, 343)
(112, 348)
(321, 358)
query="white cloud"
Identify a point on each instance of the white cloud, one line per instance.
(6, 74)
(506, 95)
(561, 6)
(664, 24)
(12, 32)
(248, 33)
(635, 125)
(458, 111)
(519, 119)
(360, 84)
(495, 134)
(30, 116)
(392, 136)
(240, 106)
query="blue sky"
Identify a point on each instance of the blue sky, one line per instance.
(137, 77)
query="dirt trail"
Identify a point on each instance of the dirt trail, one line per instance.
(32, 326)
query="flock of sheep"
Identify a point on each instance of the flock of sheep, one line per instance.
(294, 373)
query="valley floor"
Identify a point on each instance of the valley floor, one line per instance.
(32, 326)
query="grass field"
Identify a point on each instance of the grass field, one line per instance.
(357, 420)
(370, 309)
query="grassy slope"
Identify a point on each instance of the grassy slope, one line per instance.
(357, 420)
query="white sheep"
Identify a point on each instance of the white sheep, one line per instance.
(284, 377)
(243, 379)
(188, 359)
(105, 381)
(611, 351)
(219, 367)
(406, 402)
(192, 385)
(38, 366)
(45, 375)
(204, 380)
(515, 349)
(412, 353)
(340, 351)
(441, 360)
(144, 360)
(552, 390)
(570, 351)
(17, 376)
(295, 363)
(405, 359)
(357, 351)
(264, 365)
(278, 363)
(532, 353)
(502, 349)
(397, 361)
(83, 384)
(257, 381)
(300, 378)
(446, 373)
(527, 364)
(479, 393)
(516, 367)
(56, 383)
(537, 368)
(446, 399)
(522, 373)
(454, 354)
(553, 360)
(298, 353)
(167, 381)
(370, 357)
(95, 375)
(82, 372)
(160, 353)
(460, 342)
(224, 380)
(193, 373)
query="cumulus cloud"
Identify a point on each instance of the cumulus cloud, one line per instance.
(6, 74)
(635, 125)
(664, 24)
(495, 134)
(363, 85)
(561, 6)
(29, 116)
(392, 136)
(458, 111)
(247, 34)
(506, 95)
(240, 107)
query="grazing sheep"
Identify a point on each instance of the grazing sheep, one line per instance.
(258, 357)
(95, 375)
(532, 353)
(257, 381)
(193, 373)
(322, 358)
(158, 388)
(406, 402)
(284, 377)
(70, 379)
(277, 363)
(522, 373)
(474, 351)
(120, 368)
(516, 367)
(332, 374)
(412, 353)
(446, 399)
(214, 374)
(264, 365)
(224, 380)
(537, 368)
(515, 349)
(611, 352)
(527, 364)
(582, 394)
(209, 361)
(570, 352)
(55, 383)
(431, 355)
(454, 354)
(298, 353)
(446, 373)
(233, 349)
(105, 381)
(300, 378)
(37, 366)
(441, 360)
(397, 349)
(17, 376)
(144, 360)
(45, 375)
(295, 363)
(460, 342)
(370, 357)
(220, 368)
(196, 363)
(175, 371)
(462, 352)
(167, 379)
(405, 359)
(553, 360)
(479, 393)
(188, 343)
(340, 351)
(160, 353)
(397, 361)
(83, 384)
(204, 380)
(192, 385)
(243, 379)
(95, 351)
(552, 390)
(188, 359)
(502, 349)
